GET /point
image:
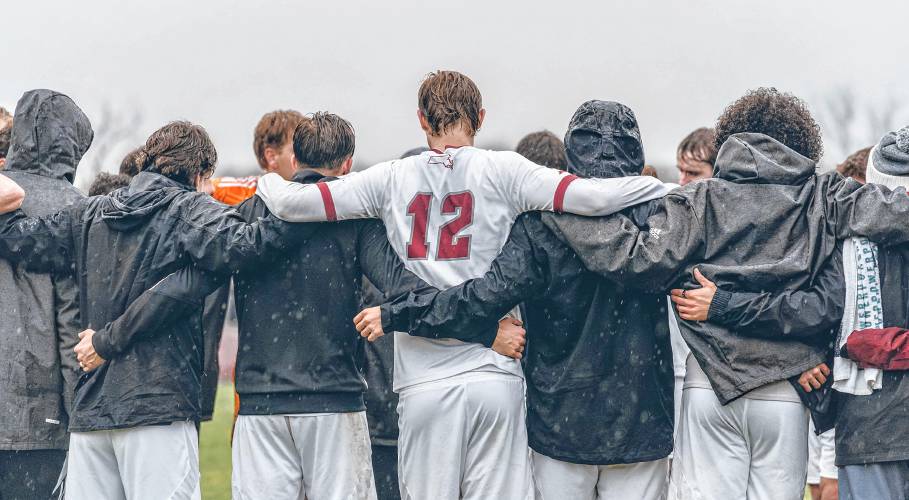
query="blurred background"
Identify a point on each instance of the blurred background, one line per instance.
(134, 66)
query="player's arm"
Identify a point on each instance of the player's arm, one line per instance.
(217, 238)
(470, 311)
(535, 187)
(358, 195)
(43, 244)
(806, 312)
(382, 266)
(645, 259)
(171, 300)
(869, 210)
(11, 195)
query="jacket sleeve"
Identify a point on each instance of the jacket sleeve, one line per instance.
(382, 266)
(218, 239)
(886, 348)
(791, 313)
(43, 244)
(470, 311)
(173, 298)
(869, 210)
(648, 260)
(68, 326)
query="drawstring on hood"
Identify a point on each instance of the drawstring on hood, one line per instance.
(751, 158)
(50, 135)
(603, 141)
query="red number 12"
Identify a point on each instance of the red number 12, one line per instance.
(451, 246)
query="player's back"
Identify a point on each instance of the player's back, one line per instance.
(448, 215)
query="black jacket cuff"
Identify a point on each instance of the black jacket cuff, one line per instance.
(719, 305)
(102, 345)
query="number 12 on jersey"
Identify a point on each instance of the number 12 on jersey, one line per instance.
(450, 246)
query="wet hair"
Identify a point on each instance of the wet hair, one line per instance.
(449, 98)
(274, 130)
(649, 170)
(180, 151)
(105, 183)
(6, 131)
(779, 115)
(543, 148)
(324, 141)
(131, 165)
(855, 164)
(699, 145)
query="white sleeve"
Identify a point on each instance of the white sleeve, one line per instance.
(359, 195)
(536, 187)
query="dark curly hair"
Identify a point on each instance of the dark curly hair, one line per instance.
(180, 151)
(855, 165)
(543, 148)
(779, 115)
(106, 183)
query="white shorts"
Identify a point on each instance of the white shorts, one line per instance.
(557, 480)
(464, 437)
(152, 462)
(821, 455)
(320, 457)
(750, 448)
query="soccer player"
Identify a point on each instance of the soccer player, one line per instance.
(599, 376)
(447, 213)
(767, 222)
(273, 145)
(133, 423)
(543, 148)
(39, 313)
(696, 155)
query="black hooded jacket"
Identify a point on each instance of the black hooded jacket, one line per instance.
(120, 246)
(298, 349)
(39, 320)
(598, 360)
(767, 222)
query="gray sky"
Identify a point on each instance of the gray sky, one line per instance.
(224, 63)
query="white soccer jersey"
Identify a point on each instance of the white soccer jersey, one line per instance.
(447, 215)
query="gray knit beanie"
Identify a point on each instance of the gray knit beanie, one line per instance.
(888, 163)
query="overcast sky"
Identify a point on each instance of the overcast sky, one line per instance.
(224, 63)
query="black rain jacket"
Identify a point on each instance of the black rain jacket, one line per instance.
(875, 428)
(120, 246)
(39, 314)
(298, 349)
(766, 222)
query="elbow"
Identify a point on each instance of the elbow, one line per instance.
(12, 198)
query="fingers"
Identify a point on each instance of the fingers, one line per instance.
(701, 279)
(359, 317)
(805, 385)
(375, 336)
(824, 369)
(683, 301)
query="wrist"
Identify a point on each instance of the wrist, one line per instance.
(101, 344)
(719, 304)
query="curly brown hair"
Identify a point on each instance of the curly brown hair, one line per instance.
(543, 148)
(180, 151)
(779, 115)
(855, 165)
(274, 130)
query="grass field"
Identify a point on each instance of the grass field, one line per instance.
(214, 447)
